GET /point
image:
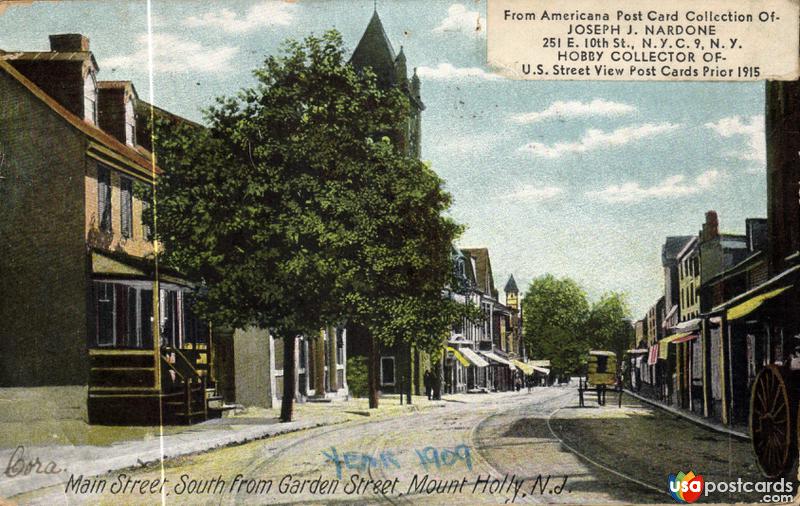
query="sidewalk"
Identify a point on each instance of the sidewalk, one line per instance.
(125, 447)
(698, 420)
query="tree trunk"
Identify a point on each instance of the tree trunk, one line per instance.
(287, 402)
(410, 374)
(372, 371)
(319, 365)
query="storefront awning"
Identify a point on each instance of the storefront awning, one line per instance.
(491, 356)
(685, 339)
(542, 370)
(526, 369)
(637, 351)
(652, 358)
(458, 356)
(689, 325)
(473, 357)
(750, 305)
(663, 350)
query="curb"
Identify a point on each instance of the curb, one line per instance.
(692, 418)
(146, 457)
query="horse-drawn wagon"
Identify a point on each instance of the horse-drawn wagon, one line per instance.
(601, 376)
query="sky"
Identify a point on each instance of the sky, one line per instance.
(576, 178)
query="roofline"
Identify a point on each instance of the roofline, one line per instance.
(88, 53)
(688, 246)
(171, 114)
(738, 268)
(95, 133)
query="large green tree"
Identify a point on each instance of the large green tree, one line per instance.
(562, 325)
(296, 210)
(555, 312)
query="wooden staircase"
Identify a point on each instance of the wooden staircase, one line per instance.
(126, 389)
(183, 389)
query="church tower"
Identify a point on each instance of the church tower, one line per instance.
(376, 52)
(512, 293)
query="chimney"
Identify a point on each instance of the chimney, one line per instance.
(711, 226)
(69, 42)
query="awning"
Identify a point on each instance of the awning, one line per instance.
(458, 356)
(601, 353)
(652, 358)
(112, 265)
(526, 369)
(663, 351)
(747, 307)
(542, 370)
(637, 351)
(495, 358)
(688, 325)
(685, 339)
(473, 357)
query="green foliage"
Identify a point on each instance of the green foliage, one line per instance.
(608, 327)
(357, 376)
(293, 216)
(561, 325)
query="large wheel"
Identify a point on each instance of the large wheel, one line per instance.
(771, 422)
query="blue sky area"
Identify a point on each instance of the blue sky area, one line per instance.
(583, 179)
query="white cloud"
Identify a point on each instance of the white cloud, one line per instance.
(598, 139)
(461, 20)
(529, 192)
(446, 71)
(670, 188)
(261, 15)
(752, 129)
(575, 109)
(174, 54)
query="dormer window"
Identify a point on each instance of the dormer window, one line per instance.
(90, 98)
(130, 124)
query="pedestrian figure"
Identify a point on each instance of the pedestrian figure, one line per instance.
(518, 384)
(428, 381)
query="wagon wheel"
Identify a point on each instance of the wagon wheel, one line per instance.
(771, 422)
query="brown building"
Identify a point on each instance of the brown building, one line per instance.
(87, 319)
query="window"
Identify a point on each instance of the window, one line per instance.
(387, 370)
(126, 207)
(104, 305)
(90, 98)
(130, 124)
(170, 318)
(146, 318)
(340, 346)
(124, 315)
(104, 198)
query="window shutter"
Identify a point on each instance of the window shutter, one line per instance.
(126, 207)
(104, 198)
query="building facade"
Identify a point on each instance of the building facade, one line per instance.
(106, 336)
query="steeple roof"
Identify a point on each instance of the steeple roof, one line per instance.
(374, 50)
(511, 285)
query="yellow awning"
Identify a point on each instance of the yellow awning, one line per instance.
(748, 306)
(663, 349)
(522, 366)
(458, 356)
